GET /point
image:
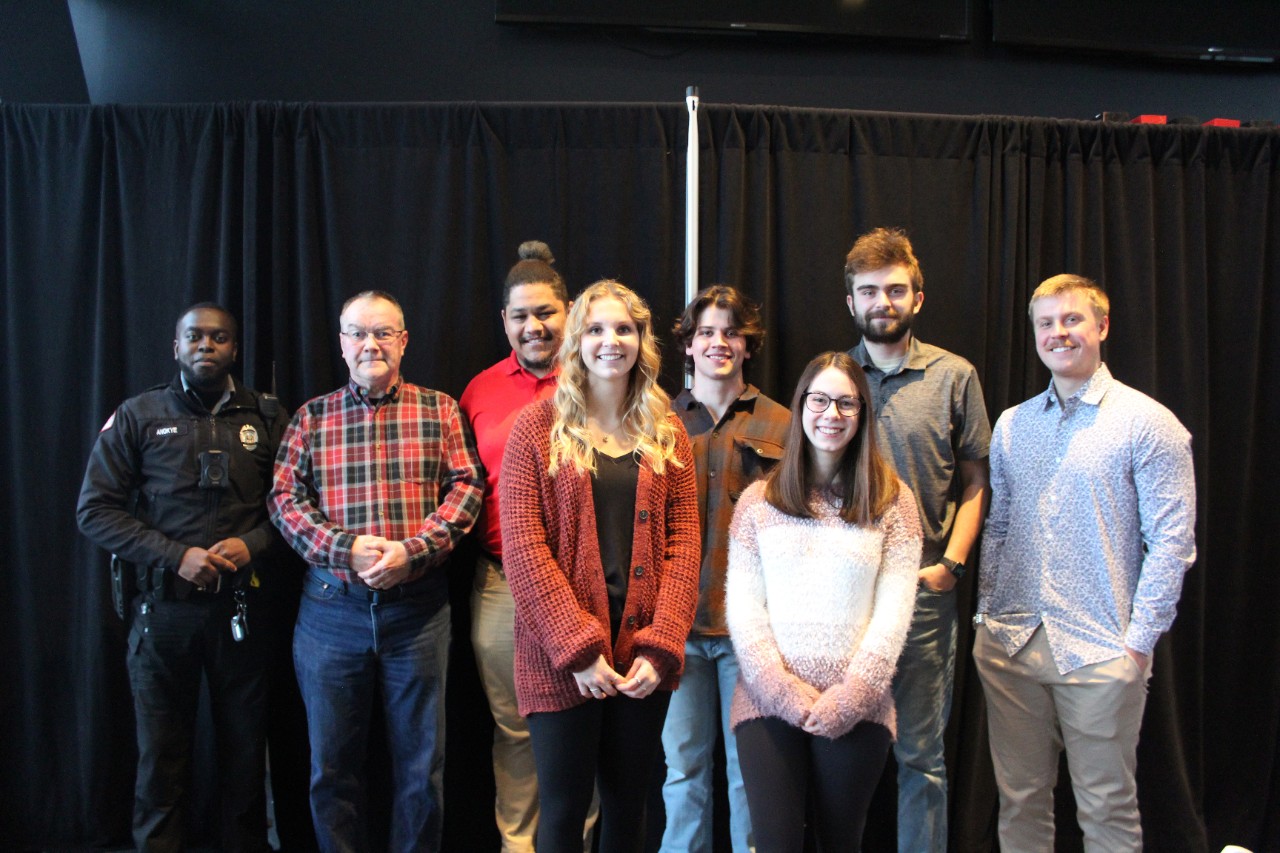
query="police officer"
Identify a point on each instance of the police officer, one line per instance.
(177, 486)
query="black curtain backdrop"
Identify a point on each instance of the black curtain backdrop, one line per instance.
(115, 218)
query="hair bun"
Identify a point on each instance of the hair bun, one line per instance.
(536, 250)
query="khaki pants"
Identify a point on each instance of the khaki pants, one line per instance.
(1033, 712)
(493, 616)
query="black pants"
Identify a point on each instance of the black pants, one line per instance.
(612, 744)
(785, 768)
(171, 643)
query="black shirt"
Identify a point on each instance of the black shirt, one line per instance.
(613, 494)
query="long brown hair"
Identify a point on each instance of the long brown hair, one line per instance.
(867, 483)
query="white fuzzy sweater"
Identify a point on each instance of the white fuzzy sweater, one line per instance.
(818, 610)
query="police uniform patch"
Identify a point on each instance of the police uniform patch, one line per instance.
(249, 437)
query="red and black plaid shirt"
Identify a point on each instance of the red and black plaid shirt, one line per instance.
(403, 467)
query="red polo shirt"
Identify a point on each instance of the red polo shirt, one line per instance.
(491, 402)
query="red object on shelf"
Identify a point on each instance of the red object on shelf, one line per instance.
(1149, 119)
(1223, 122)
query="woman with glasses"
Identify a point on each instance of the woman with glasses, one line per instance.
(600, 542)
(821, 584)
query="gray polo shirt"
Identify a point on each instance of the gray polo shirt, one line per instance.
(930, 415)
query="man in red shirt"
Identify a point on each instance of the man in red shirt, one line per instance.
(534, 306)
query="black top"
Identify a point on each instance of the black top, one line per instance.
(142, 496)
(613, 494)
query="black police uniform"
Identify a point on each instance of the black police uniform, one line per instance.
(150, 492)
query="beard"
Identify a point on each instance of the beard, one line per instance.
(205, 381)
(545, 361)
(536, 363)
(895, 331)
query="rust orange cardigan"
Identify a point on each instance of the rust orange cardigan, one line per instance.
(551, 557)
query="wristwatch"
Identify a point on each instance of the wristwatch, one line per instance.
(957, 569)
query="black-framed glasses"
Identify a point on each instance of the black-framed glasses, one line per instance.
(382, 335)
(816, 401)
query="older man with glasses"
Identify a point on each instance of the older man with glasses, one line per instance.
(374, 485)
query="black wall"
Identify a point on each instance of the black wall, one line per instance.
(138, 51)
(39, 62)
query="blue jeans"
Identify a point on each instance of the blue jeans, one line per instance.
(348, 652)
(922, 693)
(699, 710)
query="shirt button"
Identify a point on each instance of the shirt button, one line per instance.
(639, 571)
(644, 515)
(631, 621)
(715, 433)
(711, 474)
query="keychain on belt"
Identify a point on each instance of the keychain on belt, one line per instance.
(240, 621)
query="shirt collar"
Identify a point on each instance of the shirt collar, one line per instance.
(222, 401)
(748, 396)
(914, 360)
(1091, 392)
(361, 394)
(513, 367)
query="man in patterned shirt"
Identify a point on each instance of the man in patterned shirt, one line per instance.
(1090, 532)
(374, 485)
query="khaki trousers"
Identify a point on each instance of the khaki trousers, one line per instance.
(1033, 713)
(493, 616)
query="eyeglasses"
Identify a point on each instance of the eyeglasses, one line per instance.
(382, 335)
(816, 401)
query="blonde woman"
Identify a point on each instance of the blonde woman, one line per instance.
(600, 539)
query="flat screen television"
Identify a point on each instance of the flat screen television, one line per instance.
(1241, 31)
(922, 20)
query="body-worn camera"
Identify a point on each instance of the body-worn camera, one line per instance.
(214, 473)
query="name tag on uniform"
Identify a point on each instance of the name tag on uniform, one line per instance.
(166, 430)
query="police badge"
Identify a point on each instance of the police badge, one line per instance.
(249, 438)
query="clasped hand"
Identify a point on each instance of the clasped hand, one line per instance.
(380, 563)
(203, 566)
(600, 680)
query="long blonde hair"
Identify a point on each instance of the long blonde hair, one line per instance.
(646, 407)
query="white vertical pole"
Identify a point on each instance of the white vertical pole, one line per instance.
(691, 200)
(691, 203)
